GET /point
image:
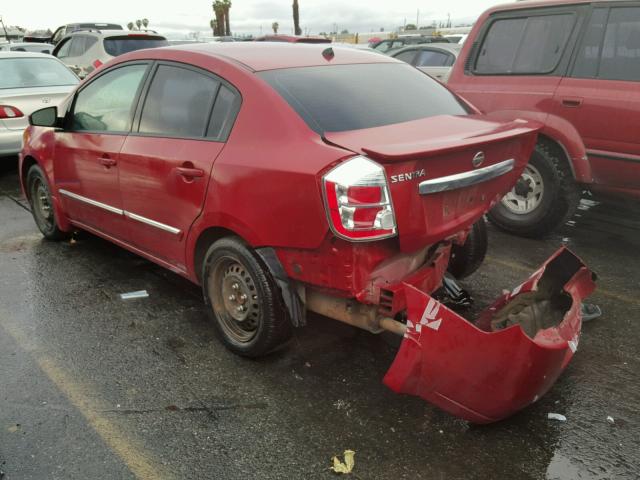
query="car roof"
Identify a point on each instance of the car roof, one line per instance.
(112, 33)
(449, 47)
(4, 54)
(258, 56)
(545, 3)
(26, 44)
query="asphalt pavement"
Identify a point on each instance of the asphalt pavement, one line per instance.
(96, 387)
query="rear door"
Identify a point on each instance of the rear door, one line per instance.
(166, 162)
(601, 97)
(86, 160)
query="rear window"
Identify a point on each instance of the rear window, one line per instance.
(532, 45)
(115, 46)
(34, 72)
(351, 97)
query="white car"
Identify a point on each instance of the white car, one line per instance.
(28, 82)
(435, 59)
(26, 47)
(85, 50)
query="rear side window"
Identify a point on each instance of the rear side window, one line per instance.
(115, 46)
(329, 100)
(178, 103)
(224, 114)
(433, 58)
(80, 44)
(588, 56)
(620, 58)
(532, 45)
(63, 51)
(106, 104)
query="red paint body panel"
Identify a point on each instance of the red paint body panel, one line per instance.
(585, 116)
(476, 374)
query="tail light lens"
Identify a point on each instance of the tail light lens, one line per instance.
(97, 64)
(358, 201)
(7, 111)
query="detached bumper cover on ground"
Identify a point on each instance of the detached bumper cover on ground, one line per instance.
(482, 373)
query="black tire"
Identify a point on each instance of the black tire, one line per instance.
(42, 206)
(556, 203)
(467, 258)
(264, 325)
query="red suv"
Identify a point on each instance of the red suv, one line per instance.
(573, 66)
(267, 175)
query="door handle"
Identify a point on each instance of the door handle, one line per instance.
(190, 173)
(572, 102)
(107, 162)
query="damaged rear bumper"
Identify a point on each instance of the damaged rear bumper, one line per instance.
(487, 370)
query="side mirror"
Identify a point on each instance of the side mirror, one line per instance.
(45, 117)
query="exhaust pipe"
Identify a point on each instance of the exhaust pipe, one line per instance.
(352, 312)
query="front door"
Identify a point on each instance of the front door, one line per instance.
(88, 150)
(602, 97)
(166, 164)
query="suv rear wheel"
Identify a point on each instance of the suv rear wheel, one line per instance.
(545, 197)
(245, 303)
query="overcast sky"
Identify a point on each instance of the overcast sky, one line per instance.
(177, 18)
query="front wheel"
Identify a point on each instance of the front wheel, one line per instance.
(245, 303)
(544, 198)
(42, 204)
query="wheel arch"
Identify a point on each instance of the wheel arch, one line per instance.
(26, 163)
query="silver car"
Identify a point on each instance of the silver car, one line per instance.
(85, 50)
(436, 59)
(28, 82)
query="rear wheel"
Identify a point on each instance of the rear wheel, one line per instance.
(42, 204)
(246, 305)
(467, 258)
(545, 197)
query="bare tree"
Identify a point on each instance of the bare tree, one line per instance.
(296, 18)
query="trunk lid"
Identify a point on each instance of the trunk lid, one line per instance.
(28, 100)
(464, 164)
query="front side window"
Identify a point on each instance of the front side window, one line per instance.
(531, 45)
(329, 100)
(178, 103)
(106, 104)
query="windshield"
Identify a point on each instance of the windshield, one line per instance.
(115, 46)
(34, 72)
(350, 97)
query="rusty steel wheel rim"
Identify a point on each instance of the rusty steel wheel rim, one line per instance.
(235, 298)
(41, 204)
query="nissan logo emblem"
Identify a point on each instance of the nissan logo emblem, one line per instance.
(478, 159)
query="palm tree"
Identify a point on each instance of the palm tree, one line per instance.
(145, 22)
(296, 18)
(212, 24)
(218, 9)
(130, 25)
(138, 24)
(275, 26)
(227, 7)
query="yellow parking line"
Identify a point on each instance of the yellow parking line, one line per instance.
(133, 455)
(599, 291)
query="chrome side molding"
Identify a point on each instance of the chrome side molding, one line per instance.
(117, 211)
(465, 179)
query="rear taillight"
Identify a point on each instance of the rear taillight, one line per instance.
(97, 64)
(358, 201)
(7, 111)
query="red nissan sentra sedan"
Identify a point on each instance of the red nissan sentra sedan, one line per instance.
(285, 179)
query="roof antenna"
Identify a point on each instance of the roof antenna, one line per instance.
(328, 54)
